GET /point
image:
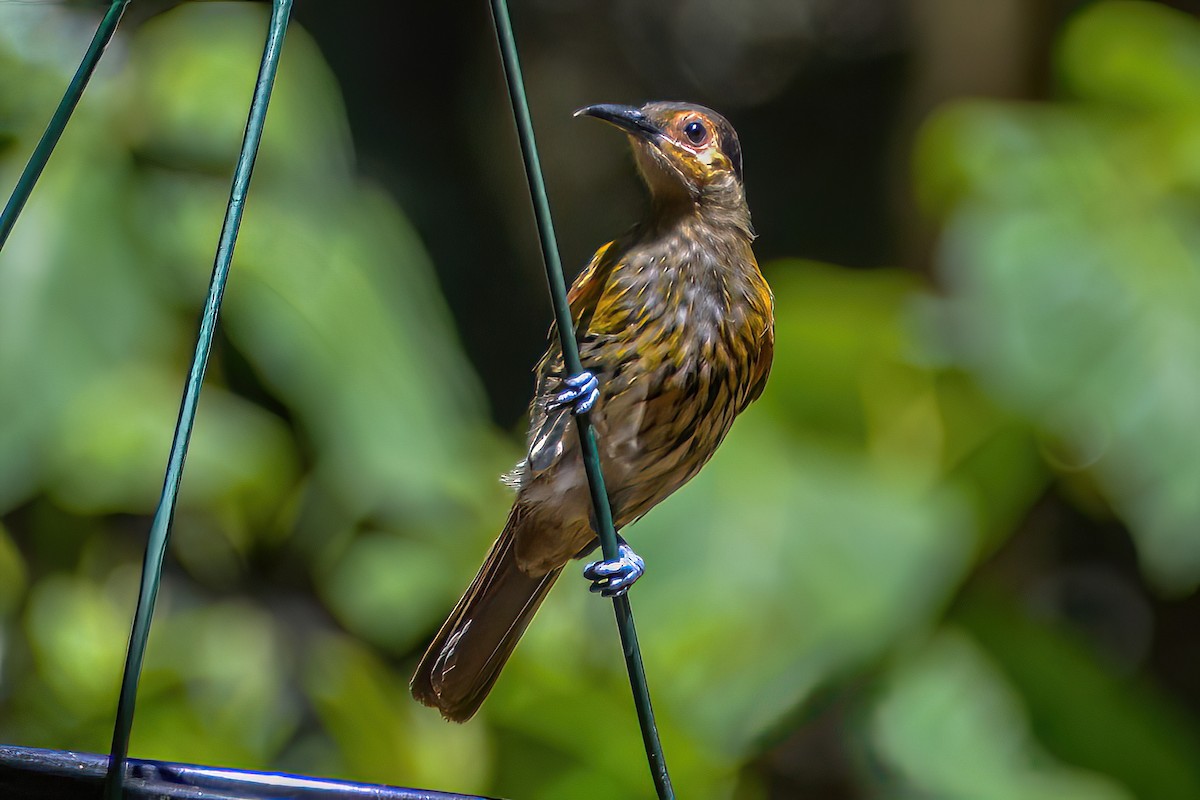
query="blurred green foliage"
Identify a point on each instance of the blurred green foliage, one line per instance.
(341, 484)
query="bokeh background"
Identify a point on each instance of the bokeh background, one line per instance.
(952, 553)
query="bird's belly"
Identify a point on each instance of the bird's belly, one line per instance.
(656, 424)
(657, 434)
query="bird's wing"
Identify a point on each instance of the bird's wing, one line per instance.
(588, 288)
(766, 343)
(548, 426)
(762, 367)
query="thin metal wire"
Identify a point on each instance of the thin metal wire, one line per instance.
(587, 437)
(160, 529)
(58, 123)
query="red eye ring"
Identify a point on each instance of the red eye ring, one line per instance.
(696, 132)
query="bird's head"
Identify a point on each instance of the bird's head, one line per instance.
(684, 151)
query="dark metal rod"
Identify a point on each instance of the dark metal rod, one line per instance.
(160, 529)
(31, 772)
(58, 123)
(587, 437)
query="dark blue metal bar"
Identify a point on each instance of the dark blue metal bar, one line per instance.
(30, 773)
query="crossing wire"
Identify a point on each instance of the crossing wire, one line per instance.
(58, 123)
(160, 528)
(587, 436)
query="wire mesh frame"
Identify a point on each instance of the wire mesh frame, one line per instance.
(47, 762)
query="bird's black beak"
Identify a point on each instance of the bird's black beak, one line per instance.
(627, 118)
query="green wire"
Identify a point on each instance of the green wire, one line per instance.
(160, 529)
(58, 123)
(587, 437)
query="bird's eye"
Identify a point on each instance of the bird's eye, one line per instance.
(695, 132)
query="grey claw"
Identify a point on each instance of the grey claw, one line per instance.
(612, 578)
(583, 390)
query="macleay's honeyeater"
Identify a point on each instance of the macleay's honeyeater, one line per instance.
(674, 325)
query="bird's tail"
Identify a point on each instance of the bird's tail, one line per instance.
(458, 670)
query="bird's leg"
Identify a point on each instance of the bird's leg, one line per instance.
(582, 392)
(612, 578)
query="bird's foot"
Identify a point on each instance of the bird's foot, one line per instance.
(612, 578)
(583, 390)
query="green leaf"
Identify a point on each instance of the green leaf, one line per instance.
(109, 451)
(78, 638)
(950, 727)
(1069, 267)
(1082, 710)
(379, 732)
(190, 75)
(13, 574)
(216, 687)
(1134, 54)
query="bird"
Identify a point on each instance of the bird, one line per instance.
(675, 327)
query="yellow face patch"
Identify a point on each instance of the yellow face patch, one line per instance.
(696, 145)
